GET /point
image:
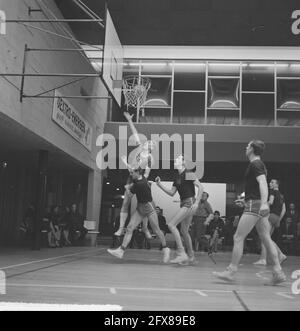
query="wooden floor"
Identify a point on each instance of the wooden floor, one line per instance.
(90, 276)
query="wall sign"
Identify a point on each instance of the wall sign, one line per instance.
(67, 117)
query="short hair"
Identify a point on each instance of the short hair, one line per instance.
(258, 147)
(277, 181)
(206, 194)
(217, 212)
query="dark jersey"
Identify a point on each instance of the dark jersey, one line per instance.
(185, 188)
(142, 190)
(276, 207)
(254, 170)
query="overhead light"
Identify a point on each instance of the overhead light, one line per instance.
(108, 183)
(149, 64)
(261, 65)
(283, 65)
(227, 64)
(118, 189)
(188, 64)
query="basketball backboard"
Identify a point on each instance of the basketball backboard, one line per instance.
(113, 56)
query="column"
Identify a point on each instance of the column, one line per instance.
(40, 198)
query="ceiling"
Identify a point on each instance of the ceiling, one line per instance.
(191, 22)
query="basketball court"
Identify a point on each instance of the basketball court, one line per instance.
(90, 279)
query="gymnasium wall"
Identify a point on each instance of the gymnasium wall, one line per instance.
(35, 114)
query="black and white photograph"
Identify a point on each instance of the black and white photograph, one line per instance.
(149, 158)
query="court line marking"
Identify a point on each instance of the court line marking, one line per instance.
(22, 306)
(113, 290)
(91, 287)
(201, 293)
(50, 259)
(285, 295)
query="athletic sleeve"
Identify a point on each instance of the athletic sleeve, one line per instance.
(258, 169)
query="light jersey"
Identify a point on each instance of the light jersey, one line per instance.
(142, 160)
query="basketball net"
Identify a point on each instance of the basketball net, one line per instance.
(135, 91)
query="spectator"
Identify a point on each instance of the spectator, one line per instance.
(162, 221)
(215, 231)
(288, 231)
(202, 218)
(76, 225)
(26, 227)
(293, 213)
(65, 224)
(54, 234)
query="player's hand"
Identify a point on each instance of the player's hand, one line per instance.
(157, 180)
(264, 210)
(128, 116)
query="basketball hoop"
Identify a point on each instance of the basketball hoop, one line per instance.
(135, 90)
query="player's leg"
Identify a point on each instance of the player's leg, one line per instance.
(264, 229)
(153, 219)
(177, 219)
(246, 224)
(124, 212)
(185, 227)
(135, 220)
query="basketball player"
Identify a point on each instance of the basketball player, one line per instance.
(277, 211)
(256, 213)
(188, 206)
(145, 209)
(142, 160)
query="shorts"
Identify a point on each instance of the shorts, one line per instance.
(274, 220)
(252, 207)
(146, 209)
(187, 203)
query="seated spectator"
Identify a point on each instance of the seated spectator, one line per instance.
(288, 231)
(64, 225)
(162, 221)
(293, 213)
(26, 227)
(76, 225)
(54, 234)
